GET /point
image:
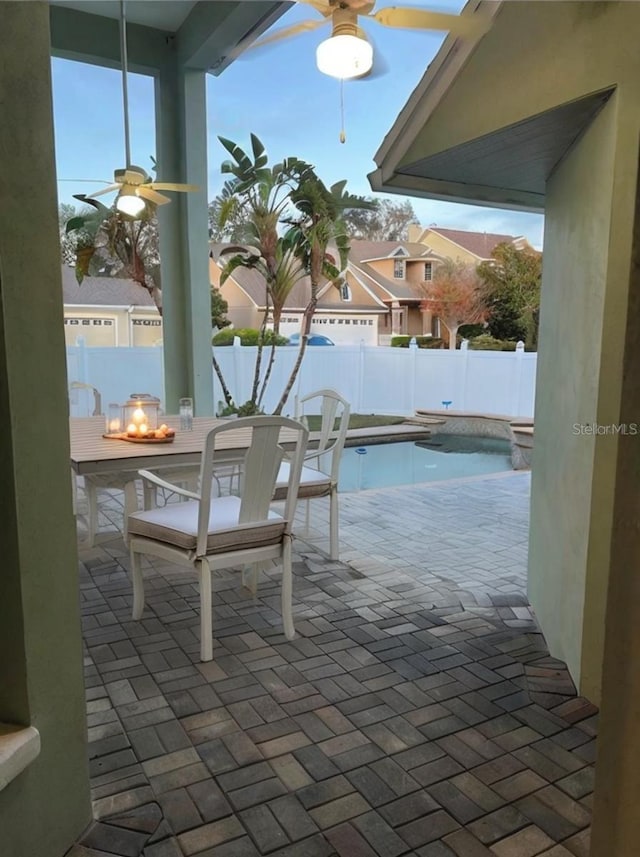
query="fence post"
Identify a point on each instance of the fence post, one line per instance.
(361, 364)
(517, 381)
(82, 360)
(464, 360)
(413, 350)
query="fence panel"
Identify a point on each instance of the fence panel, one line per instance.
(373, 378)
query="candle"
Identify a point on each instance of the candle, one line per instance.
(114, 425)
(139, 416)
(132, 428)
(143, 428)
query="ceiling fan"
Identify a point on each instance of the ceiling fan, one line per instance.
(347, 53)
(135, 187)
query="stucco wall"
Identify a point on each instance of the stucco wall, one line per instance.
(587, 245)
(46, 807)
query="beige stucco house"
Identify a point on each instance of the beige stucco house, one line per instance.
(542, 112)
(108, 312)
(381, 297)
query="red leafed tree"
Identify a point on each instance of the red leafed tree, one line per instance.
(456, 296)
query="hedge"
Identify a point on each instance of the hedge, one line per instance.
(248, 336)
(421, 341)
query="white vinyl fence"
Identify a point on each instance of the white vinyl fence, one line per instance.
(373, 379)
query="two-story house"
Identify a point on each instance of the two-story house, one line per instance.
(381, 295)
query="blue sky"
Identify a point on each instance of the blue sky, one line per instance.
(277, 93)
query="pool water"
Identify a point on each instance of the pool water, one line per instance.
(435, 460)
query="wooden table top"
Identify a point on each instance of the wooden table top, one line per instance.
(92, 453)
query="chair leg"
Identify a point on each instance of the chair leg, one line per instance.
(334, 541)
(206, 618)
(250, 575)
(130, 506)
(287, 590)
(138, 584)
(92, 511)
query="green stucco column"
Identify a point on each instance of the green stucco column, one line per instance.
(47, 806)
(616, 826)
(181, 119)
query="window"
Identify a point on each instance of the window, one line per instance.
(345, 292)
(428, 271)
(398, 269)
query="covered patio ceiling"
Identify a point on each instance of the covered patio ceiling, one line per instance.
(208, 34)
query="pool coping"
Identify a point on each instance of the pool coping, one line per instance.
(386, 434)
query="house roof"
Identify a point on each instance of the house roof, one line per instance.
(382, 288)
(102, 291)
(252, 283)
(366, 250)
(481, 244)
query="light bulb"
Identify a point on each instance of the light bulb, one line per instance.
(130, 204)
(344, 56)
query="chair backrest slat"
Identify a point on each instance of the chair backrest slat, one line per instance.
(331, 438)
(260, 470)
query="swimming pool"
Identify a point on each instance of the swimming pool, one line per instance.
(435, 460)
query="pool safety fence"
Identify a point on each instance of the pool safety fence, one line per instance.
(375, 379)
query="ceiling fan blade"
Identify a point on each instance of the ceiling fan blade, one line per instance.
(413, 18)
(322, 6)
(287, 32)
(109, 189)
(152, 195)
(183, 188)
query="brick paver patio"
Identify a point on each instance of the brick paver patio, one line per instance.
(417, 711)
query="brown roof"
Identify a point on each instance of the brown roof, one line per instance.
(361, 250)
(383, 288)
(481, 244)
(102, 291)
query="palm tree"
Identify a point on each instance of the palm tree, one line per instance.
(262, 193)
(318, 226)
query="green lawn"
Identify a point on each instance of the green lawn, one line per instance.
(357, 421)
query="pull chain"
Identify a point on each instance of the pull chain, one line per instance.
(343, 136)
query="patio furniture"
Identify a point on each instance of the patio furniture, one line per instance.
(321, 479)
(85, 400)
(207, 533)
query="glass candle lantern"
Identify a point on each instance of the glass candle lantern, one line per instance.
(140, 414)
(114, 419)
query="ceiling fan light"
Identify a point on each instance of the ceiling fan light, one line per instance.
(129, 203)
(344, 56)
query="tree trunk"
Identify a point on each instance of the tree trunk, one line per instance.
(453, 332)
(277, 313)
(225, 390)
(306, 326)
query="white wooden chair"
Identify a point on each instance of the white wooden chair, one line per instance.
(319, 477)
(209, 532)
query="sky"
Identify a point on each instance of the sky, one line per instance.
(277, 93)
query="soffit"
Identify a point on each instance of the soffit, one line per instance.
(519, 157)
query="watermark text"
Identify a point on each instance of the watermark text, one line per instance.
(597, 429)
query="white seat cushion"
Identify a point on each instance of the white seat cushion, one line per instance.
(177, 524)
(313, 483)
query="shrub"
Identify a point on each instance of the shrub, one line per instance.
(486, 342)
(421, 341)
(469, 331)
(248, 336)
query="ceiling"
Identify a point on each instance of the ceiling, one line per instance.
(167, 15)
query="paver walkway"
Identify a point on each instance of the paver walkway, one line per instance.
(417, 711)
